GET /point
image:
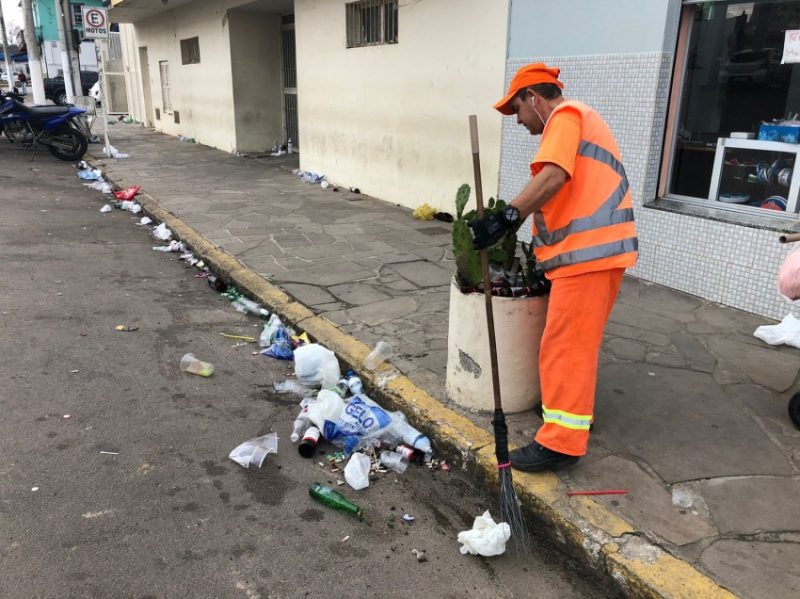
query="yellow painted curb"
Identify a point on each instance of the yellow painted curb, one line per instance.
(582, 525)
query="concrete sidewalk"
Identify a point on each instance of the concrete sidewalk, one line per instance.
(689, 403)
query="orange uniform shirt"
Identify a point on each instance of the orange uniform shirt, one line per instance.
(560, 142)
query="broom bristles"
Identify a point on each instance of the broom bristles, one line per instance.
(511, 513)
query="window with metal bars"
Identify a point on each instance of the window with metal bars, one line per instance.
(190, 51)
(371, 22)
(77, 15)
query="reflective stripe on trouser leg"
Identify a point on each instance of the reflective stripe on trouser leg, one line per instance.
(576, 316)
(576, 422)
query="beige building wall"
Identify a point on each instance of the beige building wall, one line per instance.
(201, 93)
(231, 100)
(392, 119)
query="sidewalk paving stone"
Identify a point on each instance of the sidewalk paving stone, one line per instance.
(756, 569)
(686, 395)
(769, 504)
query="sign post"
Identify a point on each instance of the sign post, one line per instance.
(95, 22)
(95, 26)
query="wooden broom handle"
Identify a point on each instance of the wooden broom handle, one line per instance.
(487, 284)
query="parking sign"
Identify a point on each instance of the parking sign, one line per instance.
(95, 22)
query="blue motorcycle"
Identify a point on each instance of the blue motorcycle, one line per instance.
(52, 126)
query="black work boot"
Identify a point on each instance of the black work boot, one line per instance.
(535, 458)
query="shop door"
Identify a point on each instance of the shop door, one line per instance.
(289, 78)
(144, 65)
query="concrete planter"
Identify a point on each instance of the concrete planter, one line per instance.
(519, 324)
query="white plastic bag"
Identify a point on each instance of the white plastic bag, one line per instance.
(356, 473)
(161, 232)
(106, 208)
(326, 408)
(101, 186)
(486, 537)
(253, 451)
(786, 331)
(113, 152)
(316, 366)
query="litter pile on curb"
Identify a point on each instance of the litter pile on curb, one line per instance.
(366, 441)
(316, 179)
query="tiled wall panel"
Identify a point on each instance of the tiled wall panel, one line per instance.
(722, 262)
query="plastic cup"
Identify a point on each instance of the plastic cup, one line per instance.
(191, 364)
(382, 352)
(394, 461)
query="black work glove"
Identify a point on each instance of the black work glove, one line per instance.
(488, 230)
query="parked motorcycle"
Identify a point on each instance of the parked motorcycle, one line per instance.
(50, 126)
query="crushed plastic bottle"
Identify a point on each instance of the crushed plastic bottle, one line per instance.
(245, 305)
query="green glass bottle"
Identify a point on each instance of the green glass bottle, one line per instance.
(334, 499)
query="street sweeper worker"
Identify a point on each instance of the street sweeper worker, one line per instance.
(584, 238)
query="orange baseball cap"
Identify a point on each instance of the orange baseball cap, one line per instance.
(530, 74)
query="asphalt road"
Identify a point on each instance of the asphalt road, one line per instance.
(165, 513)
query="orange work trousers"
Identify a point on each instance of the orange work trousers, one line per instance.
(577, 312)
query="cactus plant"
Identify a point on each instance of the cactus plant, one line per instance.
(468, 263)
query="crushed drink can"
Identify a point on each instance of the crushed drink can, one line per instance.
(406, 452)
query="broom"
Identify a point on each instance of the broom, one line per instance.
(510, 511)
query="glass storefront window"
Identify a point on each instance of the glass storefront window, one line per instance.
(732, 81)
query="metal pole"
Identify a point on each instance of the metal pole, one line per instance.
(6, 53)
(34, 57)
(75, 68)
(66, 66)
(103, 99)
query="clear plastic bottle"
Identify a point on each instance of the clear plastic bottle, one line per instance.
(354, 383)
(410, 436)
(300, 424)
